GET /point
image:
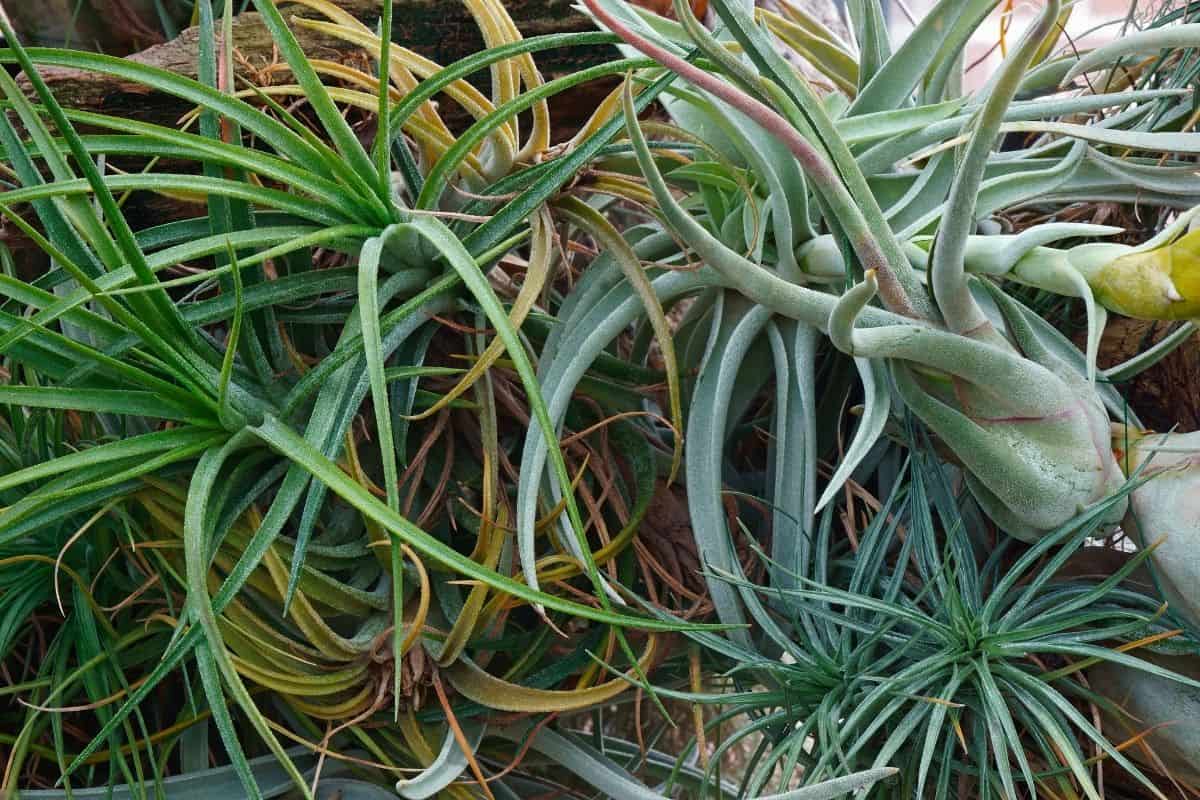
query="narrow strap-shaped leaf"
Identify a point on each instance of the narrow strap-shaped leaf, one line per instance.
(707, 423)
(18, 156)
(381, 152)
(368, 314)
(142, 446)
(103, 401)
(882, 156)
(461, 262)
(896, 79)
(556, 175)
(214, 659)
(125, 241)
(275, 133)
(611, 240)
(194, 184)
(536, 274)
(265, 773)
(437, 178)
(876, 409)
(1149, 41)
(223, 721)
(288, 443)
(200, 148)
(450, 763)
(946, 274)
(1161, 142)
(871, 33)
(474, 683)
(794, 346)
(335, 125)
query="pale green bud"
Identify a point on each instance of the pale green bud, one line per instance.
(1166, 509)
(1168, 709)
(1031, 431)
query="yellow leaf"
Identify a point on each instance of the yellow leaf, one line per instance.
(1159, 284)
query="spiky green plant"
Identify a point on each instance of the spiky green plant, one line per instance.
(879, 196)
(915, 647)
(220, 425)
(221, 435)
(306, 451)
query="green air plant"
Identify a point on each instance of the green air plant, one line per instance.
(822, 239)
(303, 550)
(352, 468)
(1005, 395)
(288, 420)
(1163, 510)
(910, 648)
(1160, 714)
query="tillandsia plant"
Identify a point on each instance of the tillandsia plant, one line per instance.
(219, 407)
(362, 475)
(1163, 519)
(852, 233)
(267, 442)
(1163, 510)
(910, 649)
(1047, 414)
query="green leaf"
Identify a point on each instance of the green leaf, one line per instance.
(110, 401)
(1147, 42)
(334, 124)
(285, 441)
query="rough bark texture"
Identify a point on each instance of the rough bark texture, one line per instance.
(253, 44)
(120, 26)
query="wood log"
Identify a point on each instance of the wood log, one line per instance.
(118, 27)
(442, 30)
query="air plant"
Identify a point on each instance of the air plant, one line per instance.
(994, 385)
(373, 437)
(301, 576)
(1162, 510)
(260, 483)
(911, 650)
(1158, 714)
(858, 240)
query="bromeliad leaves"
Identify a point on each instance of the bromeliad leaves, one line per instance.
(269, 455)
(116, 340)
(777, 103)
